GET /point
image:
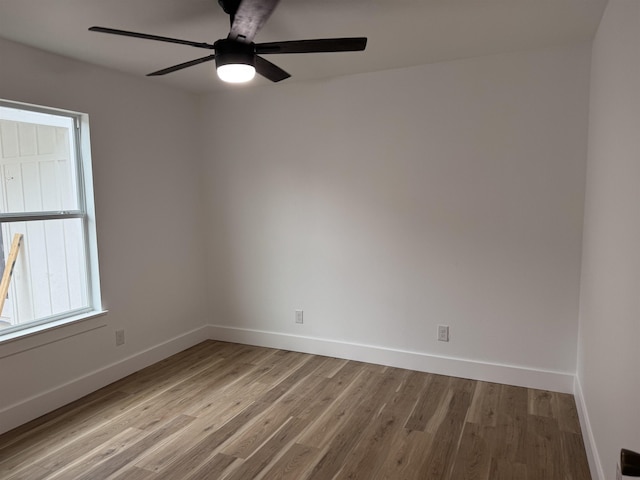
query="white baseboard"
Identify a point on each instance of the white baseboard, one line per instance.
(33, 407)
(456, 367)
(595, 465)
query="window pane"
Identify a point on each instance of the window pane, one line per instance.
(37, 162)
(49, 277)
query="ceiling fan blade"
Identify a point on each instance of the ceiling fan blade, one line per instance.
(249, 18)
(146, 36)
(180, 66)
(269, 70)
(353, 44)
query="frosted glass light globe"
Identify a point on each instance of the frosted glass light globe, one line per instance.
(236, 72)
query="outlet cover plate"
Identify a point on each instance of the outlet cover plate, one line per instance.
(443, 333)
(299, 316)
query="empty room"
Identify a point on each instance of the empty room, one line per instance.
(304, 239)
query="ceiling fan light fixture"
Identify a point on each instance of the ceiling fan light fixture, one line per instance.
(235, 61)
(236, 72)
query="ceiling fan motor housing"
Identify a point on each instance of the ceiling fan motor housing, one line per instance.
(233, 52)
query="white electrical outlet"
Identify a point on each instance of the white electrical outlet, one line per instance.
(443, 333)
(119, 337)
(299, 317)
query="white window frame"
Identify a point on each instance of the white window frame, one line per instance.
(80, 144)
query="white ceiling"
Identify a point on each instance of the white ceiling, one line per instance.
(401, 32)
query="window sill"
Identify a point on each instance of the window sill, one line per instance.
(39, 335)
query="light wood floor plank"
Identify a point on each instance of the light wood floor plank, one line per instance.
(65, 429)
(351, 432)
(474, 456)
(484, 405)
(132, 473)
(441, 458)
(406, 455)
(215, 468)
(128, 455)
(264, 456)
(573, 447)
(294, 464)
(544, 448)
(428, 403)
(511, 439)
(568, 420)
(70, 467)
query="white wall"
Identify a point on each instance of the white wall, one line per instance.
(384, 204)
(144, 143)
(609, 340)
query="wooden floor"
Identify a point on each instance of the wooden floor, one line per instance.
(227, 411)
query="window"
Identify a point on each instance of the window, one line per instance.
(48, 254)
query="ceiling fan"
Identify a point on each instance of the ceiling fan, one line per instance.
(237, 57)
